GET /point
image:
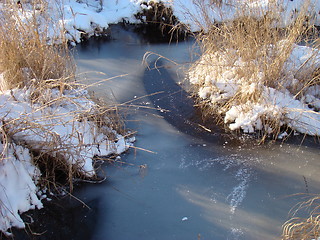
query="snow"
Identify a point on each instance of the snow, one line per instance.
(73, 18)
(41, 125)
(184, 219)
(18, 179)
(239, 192)
(92, 17)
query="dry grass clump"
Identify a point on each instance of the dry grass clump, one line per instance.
(304, 228)
(27, 60)
(26, 56)
(250, 51)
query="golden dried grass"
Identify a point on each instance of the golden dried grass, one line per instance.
(299, 228)
(26, 56)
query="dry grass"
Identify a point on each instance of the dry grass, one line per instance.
(298, 228)
(28, 60)
(60, 156)
(262, 48)
(26, 56)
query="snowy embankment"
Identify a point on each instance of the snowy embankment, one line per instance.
(62, 128)
(91, 17)
(189, 11)
(85, 17)
(218, 82)
(291, 101)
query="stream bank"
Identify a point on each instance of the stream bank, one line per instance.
(192, 184)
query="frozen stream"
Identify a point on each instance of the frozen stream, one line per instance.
(196, 185)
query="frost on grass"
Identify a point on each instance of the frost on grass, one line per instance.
(264, 105)
(65, 127)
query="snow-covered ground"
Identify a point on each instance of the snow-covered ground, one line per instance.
(89, 15)
(77, 139)
(74, 18)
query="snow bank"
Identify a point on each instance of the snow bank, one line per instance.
(217, 82)
(190, 12)
(61, 125)
(75, 18)
(62, 128)
(18, 179)
(92, 17)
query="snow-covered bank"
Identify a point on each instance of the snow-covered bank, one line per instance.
(76, 19)
(18, 180)
(218, 82)
(63, 128)
(91, 16)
